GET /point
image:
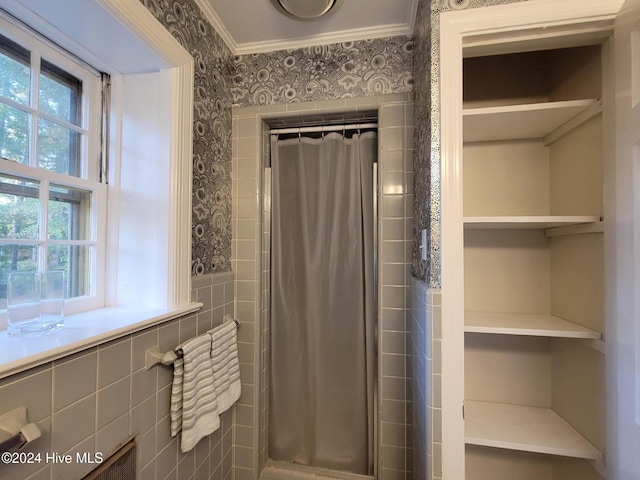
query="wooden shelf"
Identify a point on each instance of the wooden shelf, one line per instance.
(528, 429)
(596, 227)
(526, 222)
(529, 324)
(513, 122)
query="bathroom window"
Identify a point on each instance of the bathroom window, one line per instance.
(51, 200)
(127, 240)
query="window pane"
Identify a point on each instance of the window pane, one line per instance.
(58, 148)
(15, 74)
(74, 260)
(15, 258)
(60, 93)
(19, 208)
(68, 213)
(14, 134)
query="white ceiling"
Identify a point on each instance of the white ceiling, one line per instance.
(252, 26)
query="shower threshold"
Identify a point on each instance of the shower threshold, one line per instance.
(291, 471)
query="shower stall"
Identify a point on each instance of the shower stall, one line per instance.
(256, 434)
(323, 368)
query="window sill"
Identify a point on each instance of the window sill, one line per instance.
(81, 331)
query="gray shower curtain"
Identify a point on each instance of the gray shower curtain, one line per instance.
(322, 307)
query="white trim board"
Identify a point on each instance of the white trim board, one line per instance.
(324, 39)
(136, 18)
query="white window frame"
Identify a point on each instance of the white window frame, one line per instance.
(88, 180)
(127, 42)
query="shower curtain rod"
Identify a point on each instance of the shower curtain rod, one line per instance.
(324, 128)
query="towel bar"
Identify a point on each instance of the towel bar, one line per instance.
(16, 432)
(154, 356)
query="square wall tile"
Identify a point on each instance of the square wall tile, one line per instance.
(114, 362)
(73, 424)
(392, 138)
(113, 401)
(21, 393)
(66, 387)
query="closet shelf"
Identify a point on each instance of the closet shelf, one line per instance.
(514, 122)
(528, 429)
(526, 222)
(528, 324)
(596, 227)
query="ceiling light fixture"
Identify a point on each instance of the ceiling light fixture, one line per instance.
(306, 9)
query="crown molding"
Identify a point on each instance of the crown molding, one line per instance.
(213, 18)
(334, 37)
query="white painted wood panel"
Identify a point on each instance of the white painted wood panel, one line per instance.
(484, 463)
(531, 324)
(530, 429)
(506, 271)
(526, 222)
(577, 279)
(577, 385)
(508, 369)
(512, 122)
(506, 178)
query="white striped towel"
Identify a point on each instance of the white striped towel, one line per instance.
(226, 368)
(194, 408)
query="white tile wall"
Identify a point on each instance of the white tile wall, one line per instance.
(426, 381)
(96, 400)
(396, 149)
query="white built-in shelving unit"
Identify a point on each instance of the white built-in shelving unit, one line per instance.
(533, 262)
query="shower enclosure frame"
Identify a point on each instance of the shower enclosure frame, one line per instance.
(268, 193)
(251, 256)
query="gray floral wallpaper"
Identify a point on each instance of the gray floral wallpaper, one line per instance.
(349, 69)
(214, 67)
(422, 136)
(429, 178)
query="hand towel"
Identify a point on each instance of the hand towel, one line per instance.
(226, 368)
(194, 408)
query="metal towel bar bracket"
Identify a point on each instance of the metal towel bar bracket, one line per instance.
(154, 356)
(16, 432)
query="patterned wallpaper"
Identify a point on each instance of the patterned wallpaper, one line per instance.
(350, 69)
(214, 67)
(427, 183)
(422, 136)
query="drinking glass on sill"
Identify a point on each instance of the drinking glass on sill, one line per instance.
(51, 300)
(23, 303)
(35, 302)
